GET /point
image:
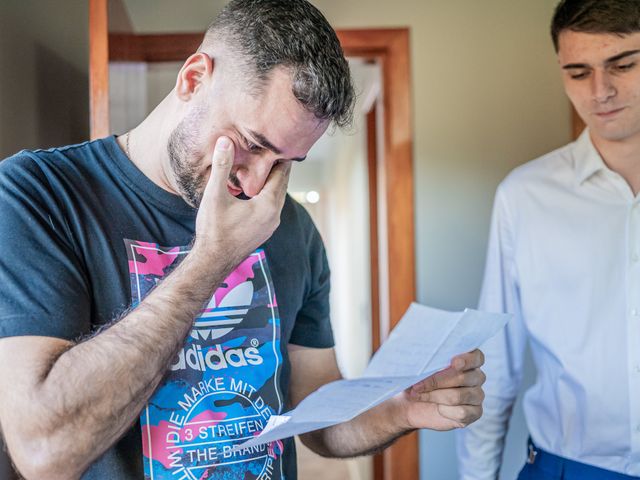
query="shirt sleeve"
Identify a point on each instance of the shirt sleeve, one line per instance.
(480, 446)
(44, 286)
(313, 322)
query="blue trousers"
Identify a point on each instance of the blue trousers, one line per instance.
(547, 466)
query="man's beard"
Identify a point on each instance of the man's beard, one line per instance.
(181, 147)
(184, 158)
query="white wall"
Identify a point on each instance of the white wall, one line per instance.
(135, 88)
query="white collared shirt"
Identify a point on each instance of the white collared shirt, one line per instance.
(564, 257)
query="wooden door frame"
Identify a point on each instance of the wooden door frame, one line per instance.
(390, 47)
(98, 68)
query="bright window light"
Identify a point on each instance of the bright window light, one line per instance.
(313, 196)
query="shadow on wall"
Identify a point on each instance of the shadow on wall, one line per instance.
(62, 101)
(60, 116)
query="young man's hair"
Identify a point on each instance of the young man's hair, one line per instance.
(620, 17)
(264, 34)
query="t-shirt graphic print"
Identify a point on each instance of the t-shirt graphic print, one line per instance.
(222, 387)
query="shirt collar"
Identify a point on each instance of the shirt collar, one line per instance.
(586, 159)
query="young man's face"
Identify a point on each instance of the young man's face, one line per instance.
(265, 128)
(601, 74)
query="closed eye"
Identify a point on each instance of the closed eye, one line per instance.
(251, 146)
(579, 75)
(626, 66)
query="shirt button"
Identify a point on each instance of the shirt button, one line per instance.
(635, 312)
(635, 257)
(638, 368)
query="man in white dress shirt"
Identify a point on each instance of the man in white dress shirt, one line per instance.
(564, 257)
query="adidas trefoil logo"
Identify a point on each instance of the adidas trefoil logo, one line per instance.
(216, 321)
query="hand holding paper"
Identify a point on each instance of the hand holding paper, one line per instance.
(451, 398)
(423, 343)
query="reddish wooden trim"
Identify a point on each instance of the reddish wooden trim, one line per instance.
(391, 48)
(98, 69)
(577, 125)
(378, 466)
(152, 48)
(372, 164)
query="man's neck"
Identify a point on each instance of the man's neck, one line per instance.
(146, 147)
(623, 157)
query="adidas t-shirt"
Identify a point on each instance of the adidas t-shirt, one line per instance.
(86, 235)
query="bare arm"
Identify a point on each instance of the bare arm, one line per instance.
(64, 404)
(447, 400)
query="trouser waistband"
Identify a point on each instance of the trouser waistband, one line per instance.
(569, 469)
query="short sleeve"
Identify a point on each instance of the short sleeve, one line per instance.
(44, 287)
(313, 322)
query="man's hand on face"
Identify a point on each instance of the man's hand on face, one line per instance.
(226, 225)
(448, 399)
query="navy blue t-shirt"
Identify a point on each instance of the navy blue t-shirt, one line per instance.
(85, 235)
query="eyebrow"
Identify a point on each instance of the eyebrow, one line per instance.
(263, 141)
(613, 59)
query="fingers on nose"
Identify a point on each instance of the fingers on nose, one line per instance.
(252, 180)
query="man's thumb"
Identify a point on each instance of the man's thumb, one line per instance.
(221, 164)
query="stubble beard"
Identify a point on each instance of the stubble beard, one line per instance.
(184, 156)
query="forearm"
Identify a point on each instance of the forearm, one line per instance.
(366, 434)
(94, 391)
(451, 398)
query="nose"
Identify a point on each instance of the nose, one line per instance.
(252, 173)
(602, 86)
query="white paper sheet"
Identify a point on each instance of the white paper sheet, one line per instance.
(423, 343)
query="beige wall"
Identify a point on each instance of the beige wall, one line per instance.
(43, 74)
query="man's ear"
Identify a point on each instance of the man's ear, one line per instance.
(196, 70)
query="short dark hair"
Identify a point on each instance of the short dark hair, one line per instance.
(292, 34)
(620, 17)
